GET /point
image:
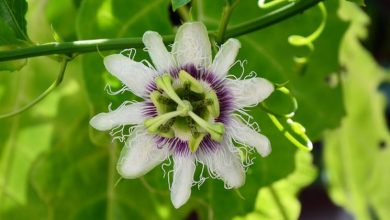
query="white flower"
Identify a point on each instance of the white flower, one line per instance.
(188, 112)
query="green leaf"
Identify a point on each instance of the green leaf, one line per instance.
(24, 137)
(178, 3)
(12, 21)
(56, 11)
(12, 30)
(270, 55)
(357, 155)
(279, 200)
(275, 60)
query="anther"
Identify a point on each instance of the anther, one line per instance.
(215, 130)
(195, 141)
(213, 107)
(153, 124)
(155, 98)
(194, 84)
(164, 82)
(185, 108)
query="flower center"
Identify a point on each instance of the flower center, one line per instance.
(187, 108)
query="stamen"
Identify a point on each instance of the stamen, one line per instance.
(215, 130)
(167, 126)
(155, 97)
(195, 141)
(201, 103)
(186, 78)
(166, 101)
(168, 134)
(214, 106)
(164, 82)
(185, 108)
(153, 124)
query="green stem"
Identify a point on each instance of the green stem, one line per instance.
(82, 46)
(85, 46)
(226, 13)
(184, 14)
(43, 95)
(110, 205)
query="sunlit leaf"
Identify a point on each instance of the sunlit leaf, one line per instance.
(357, 154)
(279, 200)
(24, 137)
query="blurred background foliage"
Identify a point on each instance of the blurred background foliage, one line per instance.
(54, 166)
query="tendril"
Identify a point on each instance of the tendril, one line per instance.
(285, 91)
(263, 5)
(301, 41)
(54, 85)
(293, 131)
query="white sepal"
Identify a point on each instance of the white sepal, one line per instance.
(123, 115)
(135, 75)
(225, 164)
(162, 59)
(192, 45)
(249, 92)
(225, 57)
(140, 155)
(246, 135)
(183, 177)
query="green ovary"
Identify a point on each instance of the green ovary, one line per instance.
(187, 109)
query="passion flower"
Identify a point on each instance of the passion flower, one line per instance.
(189, 110)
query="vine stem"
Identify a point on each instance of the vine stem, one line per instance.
(226, 13)
(44, 94)
(85, 46)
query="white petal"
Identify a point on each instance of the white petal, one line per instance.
(183, 176)
(246, 135)
(140, 155)
(226, 165)
(225, 57)
(192, 45)
(135, 75)
(123, 115)
(249, 92)
(162, 59)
